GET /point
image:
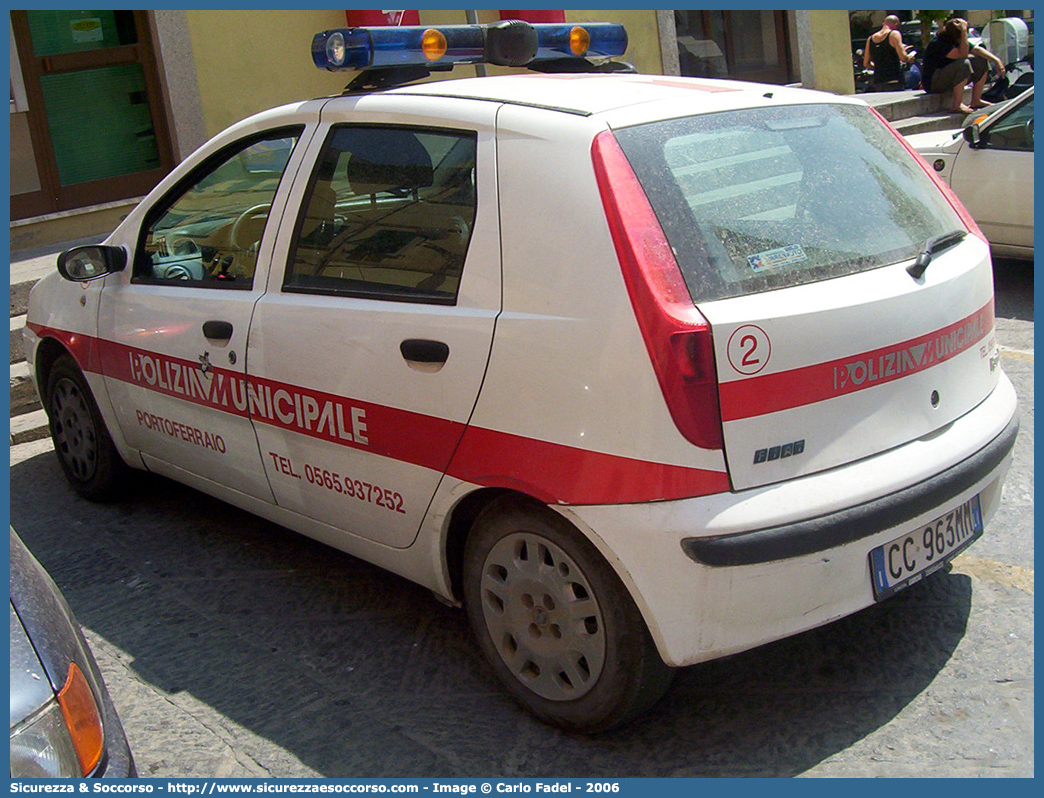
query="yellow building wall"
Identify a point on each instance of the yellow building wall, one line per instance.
(831, 49)
(247, 61)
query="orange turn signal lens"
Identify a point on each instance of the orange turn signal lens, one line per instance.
(579, 40)
(433, 44)
(82, 718)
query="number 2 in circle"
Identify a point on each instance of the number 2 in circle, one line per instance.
(749, 349)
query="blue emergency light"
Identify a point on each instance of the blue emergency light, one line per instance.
(508, 43)
(592, 39)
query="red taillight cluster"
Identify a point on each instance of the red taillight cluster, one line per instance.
(677, 336)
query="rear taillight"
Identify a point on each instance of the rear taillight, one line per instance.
(676, 335)
(958, 206)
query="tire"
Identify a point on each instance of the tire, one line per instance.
(85, 450)
(555, 622)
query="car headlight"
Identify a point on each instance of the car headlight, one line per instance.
(42, 748)
(64, 739)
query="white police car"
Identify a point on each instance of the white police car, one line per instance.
(641, 370)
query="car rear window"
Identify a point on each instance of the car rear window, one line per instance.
(766, 198)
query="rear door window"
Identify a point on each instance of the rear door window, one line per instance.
(766, 198)
(388, 215)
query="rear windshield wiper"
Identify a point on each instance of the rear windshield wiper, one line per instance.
(931, 246)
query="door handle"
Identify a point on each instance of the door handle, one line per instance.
(217, 330)
(420, 350)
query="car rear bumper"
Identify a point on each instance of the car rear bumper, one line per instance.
(720, 574)
(855, 523)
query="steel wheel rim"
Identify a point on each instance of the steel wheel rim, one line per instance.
(74, 434)
(543, 617)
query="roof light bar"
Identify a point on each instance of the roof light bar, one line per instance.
(508, 43)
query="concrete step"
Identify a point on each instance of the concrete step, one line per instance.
(93, 222)
(928, 123)
(896, 105)
(19, 372)
(29, 427)
(30, 423)
(24, 399)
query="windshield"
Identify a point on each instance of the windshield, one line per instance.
(766, 198)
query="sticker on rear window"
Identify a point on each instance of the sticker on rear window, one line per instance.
(774, 258)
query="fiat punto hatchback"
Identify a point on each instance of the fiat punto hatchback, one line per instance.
(640, 370)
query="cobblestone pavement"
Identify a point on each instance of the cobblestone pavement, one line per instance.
(233, 647)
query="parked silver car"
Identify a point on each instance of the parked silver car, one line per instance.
(63, 723)
(989, 165)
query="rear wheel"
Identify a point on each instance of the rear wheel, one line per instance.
(85, 451)
(557, 625)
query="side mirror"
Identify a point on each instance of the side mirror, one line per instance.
(89, 263)
(973, 136)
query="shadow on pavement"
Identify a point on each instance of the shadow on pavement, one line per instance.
(357, 672)
(1013, 288)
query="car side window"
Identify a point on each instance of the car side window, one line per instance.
(1014, 131)
(388, 215)
(207, 231)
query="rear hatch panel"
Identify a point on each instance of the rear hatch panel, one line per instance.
(816, 376)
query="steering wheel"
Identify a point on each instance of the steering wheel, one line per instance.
(256, 212)
(181, 245)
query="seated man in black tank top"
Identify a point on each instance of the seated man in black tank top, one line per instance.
(885, 53)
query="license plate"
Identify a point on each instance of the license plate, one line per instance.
(913, 556)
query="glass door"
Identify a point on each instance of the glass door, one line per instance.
(741, 45)
(95, 112)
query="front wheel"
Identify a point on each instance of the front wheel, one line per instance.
(85, 451)
(556, 623)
